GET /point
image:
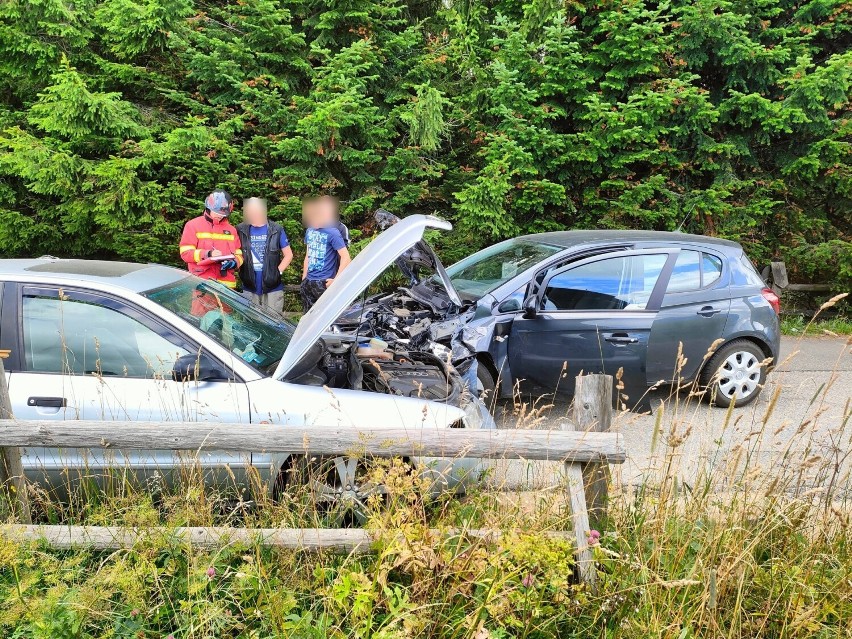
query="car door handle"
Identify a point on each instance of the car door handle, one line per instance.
(709, 311)
(48, 402)
(621, 338)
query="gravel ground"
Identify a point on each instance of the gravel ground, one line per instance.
(799, 425)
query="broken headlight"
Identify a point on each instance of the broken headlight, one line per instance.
(471, 335)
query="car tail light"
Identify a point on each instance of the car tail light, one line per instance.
(774, 301)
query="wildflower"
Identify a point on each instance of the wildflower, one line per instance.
(211, 572)
(134, 612)
(594, 537)
(528, 580)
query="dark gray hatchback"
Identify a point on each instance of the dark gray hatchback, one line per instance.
(534, 311)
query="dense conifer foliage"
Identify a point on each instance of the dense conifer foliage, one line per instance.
(728, 118)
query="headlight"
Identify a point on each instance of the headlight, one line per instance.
(441, 351)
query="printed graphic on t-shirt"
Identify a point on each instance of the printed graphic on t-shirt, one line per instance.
(258, 247)
(323, 259)
(317, 249)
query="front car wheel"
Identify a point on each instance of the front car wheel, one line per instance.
(340, 488)
(485, 383)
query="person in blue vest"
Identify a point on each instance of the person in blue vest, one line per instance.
(326, 248)
(266, 254)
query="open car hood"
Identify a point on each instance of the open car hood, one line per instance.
(363, 271)
(420, 255)
(435, 266)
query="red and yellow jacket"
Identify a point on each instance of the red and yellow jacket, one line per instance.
(201, 235)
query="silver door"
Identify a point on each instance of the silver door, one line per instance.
(115, 362)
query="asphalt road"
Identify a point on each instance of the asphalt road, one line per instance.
(799, 429)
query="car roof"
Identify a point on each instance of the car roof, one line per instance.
(127, 275)
(570, 239)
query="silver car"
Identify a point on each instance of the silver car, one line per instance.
(120, 341)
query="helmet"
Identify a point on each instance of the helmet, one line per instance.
(219, 202)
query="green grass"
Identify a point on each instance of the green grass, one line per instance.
(798, 325)
(670, 566)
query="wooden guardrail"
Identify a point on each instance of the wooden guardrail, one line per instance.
(578, 450)
(780, 282)
(550, 445)
(340, 540)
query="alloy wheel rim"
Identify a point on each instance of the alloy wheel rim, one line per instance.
(739, 375)
(341, 488)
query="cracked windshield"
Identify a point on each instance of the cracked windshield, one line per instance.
(257, 337)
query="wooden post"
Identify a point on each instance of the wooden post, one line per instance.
(580, 523)
(780, 281)
(11, 470)
(593, 413)
(587, 482)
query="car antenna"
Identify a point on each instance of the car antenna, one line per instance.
(685, 218)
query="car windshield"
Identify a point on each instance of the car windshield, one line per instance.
(484, 271)
(256, 336)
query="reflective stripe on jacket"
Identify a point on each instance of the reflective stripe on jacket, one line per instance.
(201, 235)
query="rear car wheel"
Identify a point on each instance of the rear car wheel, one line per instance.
(735, 374)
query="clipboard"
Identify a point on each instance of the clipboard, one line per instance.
(218, 258)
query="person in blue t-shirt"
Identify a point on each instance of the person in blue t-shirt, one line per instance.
(266, 254)
(326, 255)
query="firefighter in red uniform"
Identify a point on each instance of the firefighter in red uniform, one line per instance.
(210, 236)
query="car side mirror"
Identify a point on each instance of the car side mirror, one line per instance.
(530, 307)
(511, 305)
(198, 368)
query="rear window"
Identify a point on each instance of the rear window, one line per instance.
(686, 275)
(746, 274)
(711, 269)
(694, 270)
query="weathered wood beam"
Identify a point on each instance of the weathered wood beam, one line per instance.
(550, 445)
(342, 540)
(813, 288)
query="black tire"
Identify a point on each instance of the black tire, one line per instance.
(735, 374)
(487, 383)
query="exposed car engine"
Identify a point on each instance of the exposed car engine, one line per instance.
(393, 371)
(406, 314)
(420, 317)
